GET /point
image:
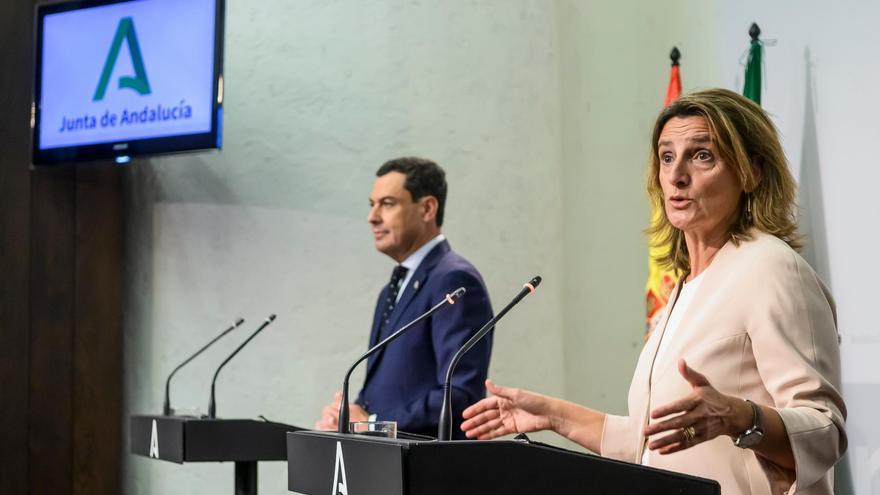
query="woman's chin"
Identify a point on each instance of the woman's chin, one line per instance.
(683, 224)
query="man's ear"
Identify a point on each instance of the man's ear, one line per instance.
(429, 205)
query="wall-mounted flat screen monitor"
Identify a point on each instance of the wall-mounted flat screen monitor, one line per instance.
(118, 79)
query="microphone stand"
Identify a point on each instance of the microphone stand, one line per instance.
(212, 404)
(166, 407)
(444, 429)
(342, 426)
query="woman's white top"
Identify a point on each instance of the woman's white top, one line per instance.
(681, 305)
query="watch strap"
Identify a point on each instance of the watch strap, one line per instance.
(754, 434)
(757, 417)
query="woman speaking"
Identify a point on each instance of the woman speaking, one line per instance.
(740, 381)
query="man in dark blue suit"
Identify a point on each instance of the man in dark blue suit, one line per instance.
(404, 381)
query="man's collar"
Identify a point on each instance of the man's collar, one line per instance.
(414, 260)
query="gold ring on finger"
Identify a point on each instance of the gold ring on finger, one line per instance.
(689, 433)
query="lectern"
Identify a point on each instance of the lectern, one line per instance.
(321, 463)
(189, 439)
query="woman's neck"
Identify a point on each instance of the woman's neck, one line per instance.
(702, 248)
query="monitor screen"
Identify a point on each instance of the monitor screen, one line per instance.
(126, 78)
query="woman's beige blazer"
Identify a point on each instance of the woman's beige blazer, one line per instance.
(762, 326)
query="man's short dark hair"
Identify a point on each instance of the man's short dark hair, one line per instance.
(423, 178)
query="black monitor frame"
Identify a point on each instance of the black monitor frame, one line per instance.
(122, 151)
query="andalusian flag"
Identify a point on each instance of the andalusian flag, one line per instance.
(660, 281)
(752, 87)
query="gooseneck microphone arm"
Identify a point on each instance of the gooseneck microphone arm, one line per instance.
(444, 430)
(342, 426)
(212, 405)
(166, 407)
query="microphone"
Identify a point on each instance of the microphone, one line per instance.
(342, 427)
(212, 405)
(166, 407)
(444, 430)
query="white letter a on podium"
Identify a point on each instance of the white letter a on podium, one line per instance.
(340, 483)
(154, 442)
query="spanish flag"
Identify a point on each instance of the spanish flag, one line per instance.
(660, 281)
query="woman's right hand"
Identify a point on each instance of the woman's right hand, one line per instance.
(509, 410)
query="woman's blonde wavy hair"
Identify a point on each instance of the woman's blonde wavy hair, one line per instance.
(744, 135)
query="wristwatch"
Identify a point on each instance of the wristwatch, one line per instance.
(755, 433)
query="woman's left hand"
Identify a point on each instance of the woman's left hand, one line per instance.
(703, 415)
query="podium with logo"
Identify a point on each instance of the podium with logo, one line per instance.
(320, 463)
(188, 439)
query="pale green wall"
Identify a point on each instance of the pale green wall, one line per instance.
(614, 73)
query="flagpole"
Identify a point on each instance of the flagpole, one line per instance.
(752, 86)
(661, 281)
(673, 90)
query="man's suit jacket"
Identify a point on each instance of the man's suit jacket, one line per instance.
(762, 327)
(404, 382)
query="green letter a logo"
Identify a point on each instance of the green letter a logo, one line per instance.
(138, 83)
